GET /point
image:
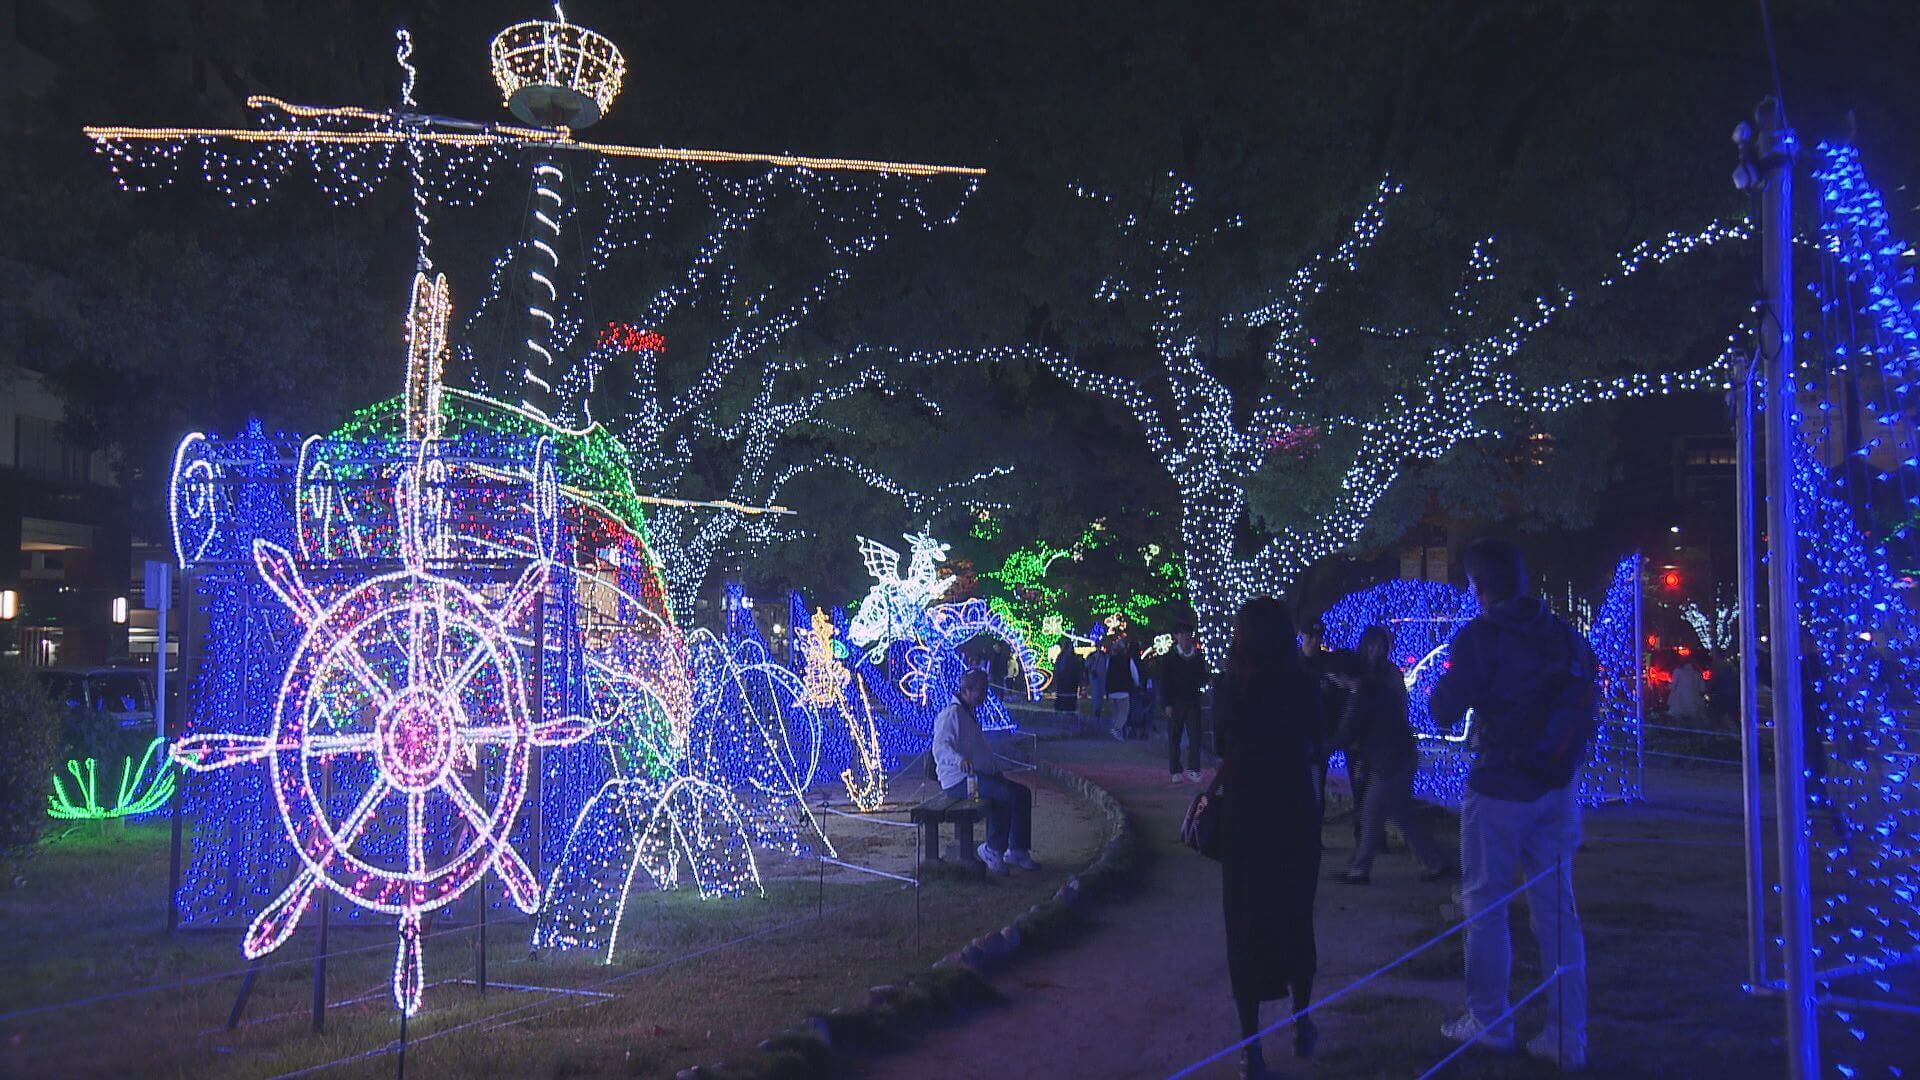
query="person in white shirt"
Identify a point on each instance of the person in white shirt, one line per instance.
(960, 751)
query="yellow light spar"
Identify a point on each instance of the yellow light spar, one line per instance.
(556, 73)
(408, 128)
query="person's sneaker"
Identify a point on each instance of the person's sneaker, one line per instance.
(1174, 778)
(1466, 1028)
(1193, 776)
(1021, 858)
(1546, 1046)
(995, 865)
(1118, 736)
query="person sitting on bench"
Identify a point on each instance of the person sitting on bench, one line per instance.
(960, 751)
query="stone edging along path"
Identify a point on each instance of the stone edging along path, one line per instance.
(955, 981)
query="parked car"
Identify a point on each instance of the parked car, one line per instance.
(123, 697)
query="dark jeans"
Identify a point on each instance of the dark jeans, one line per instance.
(1009, 811)
(1390, 798)
(1356, 782)
(1183, 715)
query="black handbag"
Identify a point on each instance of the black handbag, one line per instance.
(1201, 828)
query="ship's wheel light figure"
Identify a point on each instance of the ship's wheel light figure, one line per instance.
(405, 695)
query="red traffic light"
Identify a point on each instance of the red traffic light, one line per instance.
(1670, 581)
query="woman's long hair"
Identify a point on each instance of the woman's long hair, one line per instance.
(1263, 642)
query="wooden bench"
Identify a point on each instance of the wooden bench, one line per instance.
(946, 808)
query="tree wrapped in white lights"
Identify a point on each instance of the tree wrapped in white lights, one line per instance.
(1714, 625)
(699, 355)
(1214, 429)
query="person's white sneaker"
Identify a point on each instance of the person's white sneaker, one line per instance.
(1117, 736)
(1173, 778)
(1466, 1028)
(1571, 1056)
(1021, 858)
(995, 865)
(1193, 776)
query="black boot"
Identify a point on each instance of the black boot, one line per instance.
(1253, 1064)
(1305, 1037)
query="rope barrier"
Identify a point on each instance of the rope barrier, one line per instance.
(1700, 731)
(1665, 841)
(871, 870)
(1498, 905)
(869, 818)
(1691, 757)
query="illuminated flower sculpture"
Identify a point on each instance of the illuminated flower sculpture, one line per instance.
(404, 693)
(144, 788)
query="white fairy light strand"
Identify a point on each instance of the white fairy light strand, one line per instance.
(1209, 452)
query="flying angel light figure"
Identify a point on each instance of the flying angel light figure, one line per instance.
(895, 607)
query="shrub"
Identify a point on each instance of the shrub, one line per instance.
(29, 745)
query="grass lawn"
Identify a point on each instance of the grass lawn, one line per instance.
(695, 982)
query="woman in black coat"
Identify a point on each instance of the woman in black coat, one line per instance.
(1270, 832)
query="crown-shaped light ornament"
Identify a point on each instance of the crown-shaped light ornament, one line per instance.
(555, 73)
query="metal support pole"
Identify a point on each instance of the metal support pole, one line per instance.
(1774, 150)
(480, 921)
(320, 968)
(326, 906)
(246, 991)
(160, 671)
(1640, 672)
(480, 941)
(174, 845)
(537, 788)
(1754, 836)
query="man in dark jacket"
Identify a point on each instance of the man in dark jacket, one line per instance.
(1334, 671)
(1379, 740)
(1068, 671)
(1182, 675)
(1526, 680)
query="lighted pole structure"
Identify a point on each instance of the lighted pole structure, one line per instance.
(557, 75)
(1771, 151)
(1747, 584)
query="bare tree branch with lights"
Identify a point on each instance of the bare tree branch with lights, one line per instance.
(713, 377)
(1218, 433)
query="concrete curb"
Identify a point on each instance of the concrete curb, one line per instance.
(956, 980)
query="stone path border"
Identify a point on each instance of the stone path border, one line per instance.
(955, 981)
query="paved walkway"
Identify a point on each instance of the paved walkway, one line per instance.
(1143, 991)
